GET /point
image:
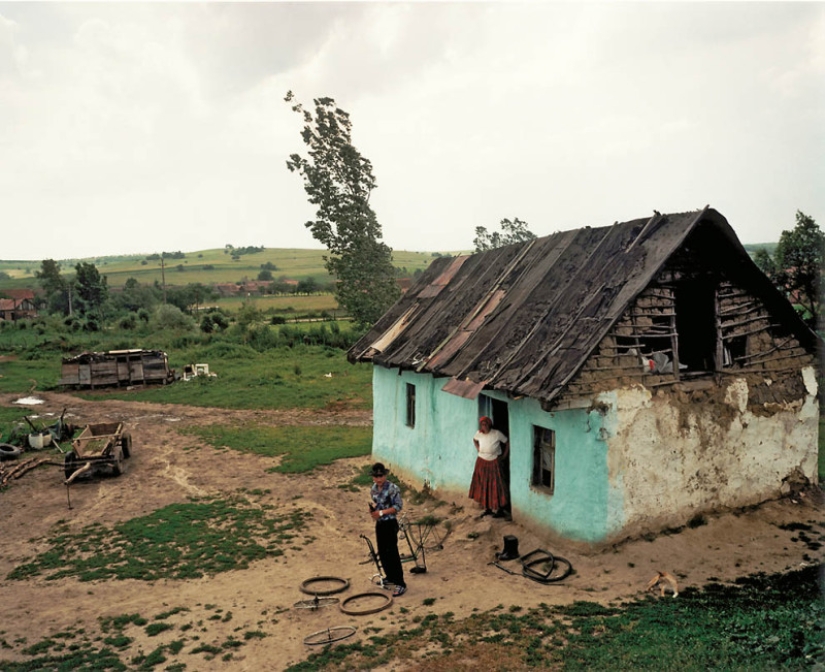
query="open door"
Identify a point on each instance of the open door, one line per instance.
(499, 413)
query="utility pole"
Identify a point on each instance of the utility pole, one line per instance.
(163, 276)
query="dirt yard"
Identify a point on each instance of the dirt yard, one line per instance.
(460, 576)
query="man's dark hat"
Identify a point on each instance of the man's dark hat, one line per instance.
(379, 469)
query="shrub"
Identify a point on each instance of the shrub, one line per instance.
(168, 316)
(128, 322)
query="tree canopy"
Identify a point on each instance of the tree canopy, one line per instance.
(338, 180)
(512, 231)
(796, 267)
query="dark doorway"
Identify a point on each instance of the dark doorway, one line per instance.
(499, 413)
(696, 325)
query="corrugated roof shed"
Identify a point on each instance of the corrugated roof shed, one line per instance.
(524, 318)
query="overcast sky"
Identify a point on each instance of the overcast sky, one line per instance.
(141, 127)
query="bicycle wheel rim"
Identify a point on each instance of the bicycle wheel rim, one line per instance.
(324, 585)
(329, 635)
(317, 603)
(383, 601)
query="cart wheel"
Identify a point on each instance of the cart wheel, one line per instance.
(119, 466)
(324, 585)
(70, 464)
(329, 635)
(126, 444)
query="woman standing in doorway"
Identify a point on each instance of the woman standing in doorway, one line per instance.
(487, 487)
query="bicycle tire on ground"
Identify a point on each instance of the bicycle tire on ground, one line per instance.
(386, 597)
(306, 585)
(329, 635)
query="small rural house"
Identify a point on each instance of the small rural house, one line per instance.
(17, 304)
(645, 372)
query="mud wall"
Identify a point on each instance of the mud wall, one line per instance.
(670, 459)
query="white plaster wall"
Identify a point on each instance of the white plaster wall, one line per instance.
(667, 462)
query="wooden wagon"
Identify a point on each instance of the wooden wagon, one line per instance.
(100, 448)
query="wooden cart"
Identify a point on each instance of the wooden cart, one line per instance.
(99, 448)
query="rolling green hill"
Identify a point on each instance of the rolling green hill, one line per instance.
(207, 267)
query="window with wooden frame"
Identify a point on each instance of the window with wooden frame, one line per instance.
(410, 405)
(544, 459)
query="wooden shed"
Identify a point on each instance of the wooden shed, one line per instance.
(116, 367)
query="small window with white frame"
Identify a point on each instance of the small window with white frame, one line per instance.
(544, 459)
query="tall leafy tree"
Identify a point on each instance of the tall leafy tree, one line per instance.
(800, 256)
(512, 231)
(338, 180)
(54, 285)
(796, 267)
(91, 289)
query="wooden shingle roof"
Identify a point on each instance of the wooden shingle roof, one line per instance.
(524, 318)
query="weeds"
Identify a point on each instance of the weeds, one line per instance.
(763, 623)
(303, 447)
(179, 541)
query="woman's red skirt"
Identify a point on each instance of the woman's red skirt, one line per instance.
(487, 486)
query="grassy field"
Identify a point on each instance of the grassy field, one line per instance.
(206, 267)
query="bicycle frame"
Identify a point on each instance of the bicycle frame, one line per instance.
(374, 556)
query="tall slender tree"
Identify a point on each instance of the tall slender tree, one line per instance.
(338, 180)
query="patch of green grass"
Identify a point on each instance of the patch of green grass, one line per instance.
(154, 629)
(18, 376)
(279, 378)
(763, 623)
(303, 447)
(179, 541)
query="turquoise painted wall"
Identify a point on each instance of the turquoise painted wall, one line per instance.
(439, 451)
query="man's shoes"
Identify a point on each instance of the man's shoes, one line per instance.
(500, 514)
(488, 512)
(399, 591)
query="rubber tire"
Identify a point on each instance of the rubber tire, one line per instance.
(541, 578)
(363, 612)
(332, 591)
(9, 452)
(126, 444)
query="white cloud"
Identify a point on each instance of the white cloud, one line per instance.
(168, 120)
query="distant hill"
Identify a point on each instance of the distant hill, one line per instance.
(222, 265)
(206, 266)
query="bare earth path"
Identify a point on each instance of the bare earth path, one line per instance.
(168, 467)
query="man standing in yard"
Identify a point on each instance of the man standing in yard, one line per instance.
(385, 506)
